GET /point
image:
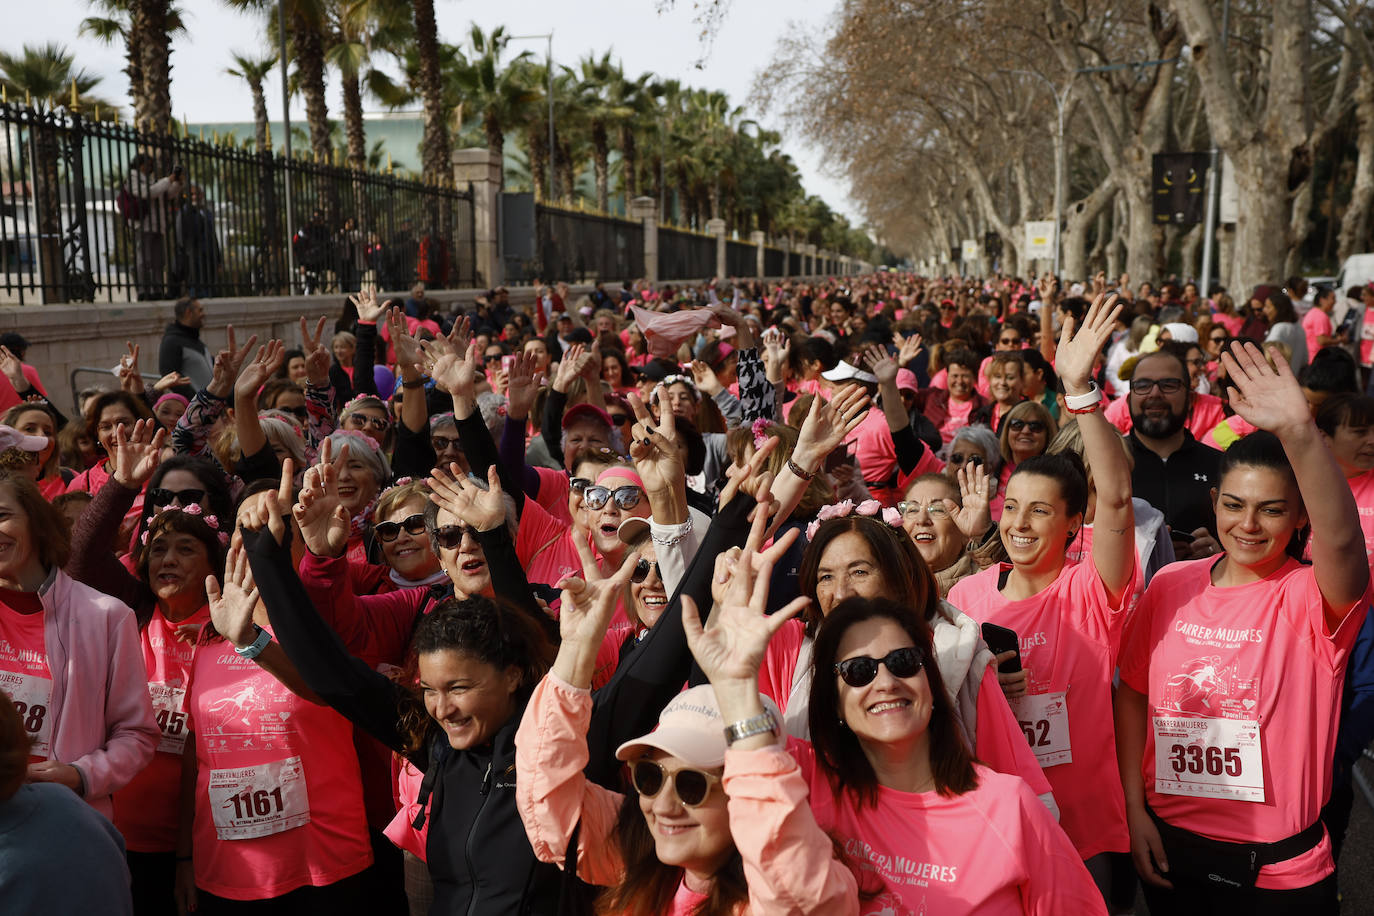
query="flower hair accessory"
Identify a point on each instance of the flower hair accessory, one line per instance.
(869, 508)
(760, 431)
(195, 511)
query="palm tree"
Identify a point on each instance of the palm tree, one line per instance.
(602, 112)
(500, 93)
(639, 97)
(253, 71)
(146, 27)
(434, 155)
(305, 24)
(44, 72)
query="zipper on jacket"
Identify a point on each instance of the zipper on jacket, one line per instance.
(472, 831)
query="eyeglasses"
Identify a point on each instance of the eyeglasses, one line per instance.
(160, 496)
(642, 571)
(626, 497)
(390, 531)
(1222, 339)
(959, 460)
(936, 508)
(1010, 341)
(861, 670)
(1034, 426)
(300, 413)
(1197, 362)
(579, 484)
(444, 443)
(359, 421)
(1165, 385)
(493, 358)
(450, 536)
(691, 786)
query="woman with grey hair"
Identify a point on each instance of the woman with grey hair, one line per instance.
(971, 447)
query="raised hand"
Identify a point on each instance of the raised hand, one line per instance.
(908, 348)
(826, 425)
(452, 369)
(1077, 352)
(369, 309)
(270, 513)
(12, 369)
(588, 602)
(1099, 283)
(569, 367)
(1266, 395)
(1048, 287)
(228, 362)
(408, 351)
(232, 606)
(750, 475)
(323, 521)
(137, 453)
(483, 509)
(654, 448)
(777, 348)
(258, 370)
(171, 380)
(521, 387)
(317, 355)
(881, 364)
(975, 489)
(705, 377)
(130, 379)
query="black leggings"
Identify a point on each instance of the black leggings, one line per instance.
(152, 878)
(347, 897)
(1207, 899)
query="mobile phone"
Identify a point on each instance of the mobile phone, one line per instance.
(506, 363)
(999, 640)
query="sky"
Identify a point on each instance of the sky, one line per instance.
(644, 34)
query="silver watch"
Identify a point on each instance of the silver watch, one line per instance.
(748, 728)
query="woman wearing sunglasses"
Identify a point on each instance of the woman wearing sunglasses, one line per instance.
(1068, 617)
(400, 529)
(1025, 432)
(708, 830)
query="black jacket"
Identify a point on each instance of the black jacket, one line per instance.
(183, 351)
(1180, 487)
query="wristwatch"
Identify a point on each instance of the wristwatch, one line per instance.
(255, 649)
(748, 728)
(1086, 401)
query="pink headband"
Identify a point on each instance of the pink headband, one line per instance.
(628, 473)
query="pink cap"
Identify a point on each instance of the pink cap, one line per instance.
(906, 381)
(690, 728)
(13, 438)
(586, 412)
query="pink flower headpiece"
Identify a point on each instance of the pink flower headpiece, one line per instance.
(869, 508)
(760, 430)
(194, 510)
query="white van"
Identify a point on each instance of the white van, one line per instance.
(1357, 270)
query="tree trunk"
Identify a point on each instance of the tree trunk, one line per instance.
(496, 138)
(1100, 242)
(434, 148)
(601, 155)
(353, 122)
(1262, 218)
(155, 97)
(565, 171)
(537, 142)
(309, 48)
(135, 42)
(1078, 216)
(259, 116)
(629, 164)
(1355, 221)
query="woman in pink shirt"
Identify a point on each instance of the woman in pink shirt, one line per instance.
(1232, 671)
(1068, 617)
(104, 415)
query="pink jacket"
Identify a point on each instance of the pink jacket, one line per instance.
(788, 861)
(102, 717)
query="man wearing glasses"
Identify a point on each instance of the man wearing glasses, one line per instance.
(1173, 471)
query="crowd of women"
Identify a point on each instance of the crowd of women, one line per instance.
(874, 595)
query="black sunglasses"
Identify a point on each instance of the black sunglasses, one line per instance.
(450, 536)
(619, 419)
(390, 531)
(860, 670)
(642, 571)
(1165, 385)
(300, 413)
(626, 497)
(959, 459)
(579, 484)
(444, 443)
(692, 786)
(160, 496)
(1018, 424)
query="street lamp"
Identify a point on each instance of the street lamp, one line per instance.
(552, 152)
(1061, 98)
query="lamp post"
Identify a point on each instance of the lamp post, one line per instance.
(552, 152)
(1209, 231)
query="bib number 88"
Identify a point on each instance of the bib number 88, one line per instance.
(1213, 760)
(32, 715)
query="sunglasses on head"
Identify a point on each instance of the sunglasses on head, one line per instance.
(160, 496)
(641, 571)
(449, 537)
(626, 497)
(444, 443)
(959, 459)
(692, 787)
(1034, 426)
(1165, 385)
(390, 531)
(860, 670)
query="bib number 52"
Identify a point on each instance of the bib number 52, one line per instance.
(1214, 761)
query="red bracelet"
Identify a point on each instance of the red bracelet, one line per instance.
(1083, 410)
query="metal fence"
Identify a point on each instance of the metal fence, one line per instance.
(774, 262)
(794, 264)
(586, 247)
(79, 222)
(740, 259)
(685, 255)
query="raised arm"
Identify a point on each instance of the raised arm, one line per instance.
(1049, 301)
(1269, 397)
(253, 376)
(370, 312)
(414, 404)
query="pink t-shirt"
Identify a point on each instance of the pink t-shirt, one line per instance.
(1316, 323)
(994, 851)
(553, 493)
(956, 419)
(24, 673)
(1208, 410)
(1251, 673)
(279, 800)
(1069, 635)
(148, 809)
(876, 454)
(1367, 338)
(1232, 323)
(544, 545)
(985, 386)
(1362, 486)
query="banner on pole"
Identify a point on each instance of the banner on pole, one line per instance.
(1177, 184)
(1040, 238)
(971, 249)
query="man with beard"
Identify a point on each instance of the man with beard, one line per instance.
(1173, 471)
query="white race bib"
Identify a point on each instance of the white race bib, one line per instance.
(167, 707)
(1208, 758)
(1044, 718)
(32, 697)
(261, 800)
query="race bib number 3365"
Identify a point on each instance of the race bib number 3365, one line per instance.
(257, 801)
(1208, 758)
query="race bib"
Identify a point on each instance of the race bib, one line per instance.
(1044, 718)
(167, 707)
(1208, 758)
(32, 697)
(256, 801)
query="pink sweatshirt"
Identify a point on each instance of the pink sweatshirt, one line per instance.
(788, 862)
(102, 717)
